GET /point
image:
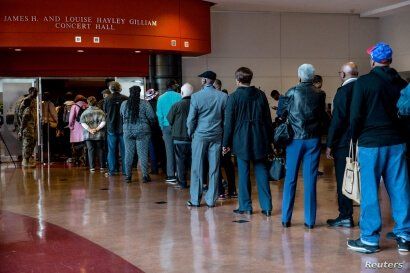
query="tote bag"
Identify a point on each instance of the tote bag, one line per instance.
(351, 179)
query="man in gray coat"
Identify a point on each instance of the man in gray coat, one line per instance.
(205, 127)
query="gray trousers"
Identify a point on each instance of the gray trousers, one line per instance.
(169, 149)
(136, 143)
(202, 149)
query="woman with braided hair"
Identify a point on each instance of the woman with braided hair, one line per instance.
(137, 115)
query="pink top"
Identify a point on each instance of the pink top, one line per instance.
(76, 130)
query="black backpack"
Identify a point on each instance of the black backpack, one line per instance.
(80, 112)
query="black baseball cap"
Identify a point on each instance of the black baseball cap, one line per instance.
(208, 75)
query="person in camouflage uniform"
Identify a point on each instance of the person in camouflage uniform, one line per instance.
(32, 92)
(27, 132)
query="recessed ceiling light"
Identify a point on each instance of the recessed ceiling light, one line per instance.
(137, 51)
(80, 51)
(18, 49)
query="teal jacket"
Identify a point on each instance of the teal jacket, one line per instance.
(164, 104)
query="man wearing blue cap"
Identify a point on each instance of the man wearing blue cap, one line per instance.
(382, 149)
(205, 127)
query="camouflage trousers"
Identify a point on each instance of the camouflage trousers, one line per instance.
(28, 143)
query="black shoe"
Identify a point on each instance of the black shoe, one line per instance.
(222, 197)
(267, 213)
(341, 222)
(181, 186)
(309, 226)
(358, 246)
(402, 244)
(286, 224)
(172, 180)
(128, 179)
(210, 206)
(233, 195)
(238, 211)
(146, 179)
(391, 236)
(189, 204)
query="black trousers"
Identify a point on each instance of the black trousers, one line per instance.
(95, 148)
(345, 204)
(183, 155)
(229, 168)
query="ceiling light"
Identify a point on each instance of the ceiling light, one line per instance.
(137, 51)
(17, 49)
(80, 51)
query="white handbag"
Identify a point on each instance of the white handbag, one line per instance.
(351, 178)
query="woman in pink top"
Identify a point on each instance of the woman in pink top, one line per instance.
(76, 130)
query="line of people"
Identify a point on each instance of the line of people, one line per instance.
(202, 130)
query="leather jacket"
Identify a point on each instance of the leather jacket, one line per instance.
(306, 110)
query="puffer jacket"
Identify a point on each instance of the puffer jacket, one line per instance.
(306, 110)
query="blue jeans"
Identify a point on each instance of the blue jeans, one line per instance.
(262, 182)
(388, 162)
(113, 141)
(307, 150)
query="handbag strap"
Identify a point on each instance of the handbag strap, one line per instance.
(354, 155)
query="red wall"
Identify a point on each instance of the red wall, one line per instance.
(187, 22)
(72, 64)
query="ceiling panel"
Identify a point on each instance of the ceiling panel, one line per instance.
(311, 6)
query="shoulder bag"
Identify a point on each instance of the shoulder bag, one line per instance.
(351, 178)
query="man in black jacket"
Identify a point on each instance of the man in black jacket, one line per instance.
(306, 106)
(177, 117)
(376, 127)
(338, 140)
(248, 131)
(111, 107)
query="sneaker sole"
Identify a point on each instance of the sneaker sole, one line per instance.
(403, 250)
(362, 250)
(341, 225)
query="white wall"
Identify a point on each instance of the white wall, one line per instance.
(273, 45)
(395, 30)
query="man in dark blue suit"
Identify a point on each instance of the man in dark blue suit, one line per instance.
(338, 140)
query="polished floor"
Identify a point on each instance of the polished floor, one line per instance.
(62, 219)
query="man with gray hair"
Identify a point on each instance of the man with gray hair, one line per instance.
(177, 117)
(305, 111)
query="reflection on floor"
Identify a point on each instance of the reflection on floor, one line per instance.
(149, 226)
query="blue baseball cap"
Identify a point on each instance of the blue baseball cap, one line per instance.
(381, 53)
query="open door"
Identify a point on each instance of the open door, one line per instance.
(128, 82)
(10, 90)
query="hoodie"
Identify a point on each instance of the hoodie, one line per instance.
(373, 113)
(248, 124)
